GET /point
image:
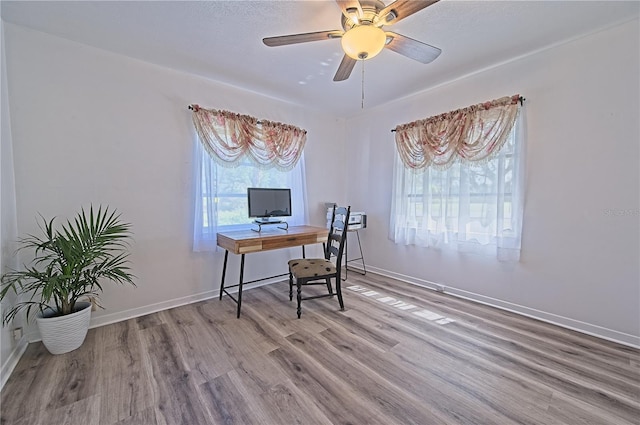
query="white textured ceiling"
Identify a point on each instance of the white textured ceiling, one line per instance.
(222, 40)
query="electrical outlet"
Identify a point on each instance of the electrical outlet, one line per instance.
(17, 334)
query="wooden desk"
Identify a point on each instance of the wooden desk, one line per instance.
(242, 242)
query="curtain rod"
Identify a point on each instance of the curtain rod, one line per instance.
(190, 107)
(520, 99)
(193, 109)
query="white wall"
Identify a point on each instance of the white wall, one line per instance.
(580, 253)
(10, 349)
(90, 126)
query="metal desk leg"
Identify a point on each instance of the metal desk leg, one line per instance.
(240, 285)
(347, 261)
(364, 267)
(224, 272)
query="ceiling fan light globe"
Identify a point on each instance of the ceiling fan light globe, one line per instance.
(363, 41)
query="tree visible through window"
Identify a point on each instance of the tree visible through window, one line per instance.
(465, 198)
(230, 194)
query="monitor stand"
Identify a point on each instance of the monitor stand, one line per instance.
(267, 222)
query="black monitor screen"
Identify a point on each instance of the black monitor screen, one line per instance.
(269, 202)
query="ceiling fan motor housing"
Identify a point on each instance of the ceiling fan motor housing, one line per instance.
(370, 10)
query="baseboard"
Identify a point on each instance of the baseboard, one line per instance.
(106, 319)
(12, 360)
(565, 322)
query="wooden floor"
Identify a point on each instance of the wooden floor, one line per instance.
(398, 354)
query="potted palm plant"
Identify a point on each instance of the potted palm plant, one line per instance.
(65, 277)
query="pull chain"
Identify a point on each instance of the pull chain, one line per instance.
(362, 100)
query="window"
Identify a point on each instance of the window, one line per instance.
(470, 206)
(221, 195)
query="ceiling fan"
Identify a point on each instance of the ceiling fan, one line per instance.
(363, 37)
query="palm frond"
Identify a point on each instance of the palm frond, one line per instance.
(71, 263)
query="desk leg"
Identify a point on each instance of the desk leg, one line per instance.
(240, 285)
(224, 272)
(303, 256)
(364, 267)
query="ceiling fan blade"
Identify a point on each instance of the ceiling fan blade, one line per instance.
(411, 48)
(349, 7)
(283, 40)
(414, 49)
(400, 9)
(345, 68)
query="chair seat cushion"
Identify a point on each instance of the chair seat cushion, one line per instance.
(311, 267)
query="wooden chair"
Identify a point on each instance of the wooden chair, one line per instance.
(320, 271)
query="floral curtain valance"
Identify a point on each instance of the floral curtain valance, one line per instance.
(471, 134)
(229, 137)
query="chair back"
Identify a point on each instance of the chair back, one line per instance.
(337, 235)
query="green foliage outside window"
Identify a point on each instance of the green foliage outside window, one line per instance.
(231, 190)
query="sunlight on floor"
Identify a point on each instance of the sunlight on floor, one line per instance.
(401, 305)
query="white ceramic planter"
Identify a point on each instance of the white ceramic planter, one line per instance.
(62, 334)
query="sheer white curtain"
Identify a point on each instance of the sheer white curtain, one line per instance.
(204, 195)
(210, 178)
(469, 206)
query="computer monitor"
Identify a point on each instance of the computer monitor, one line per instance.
(268, 202)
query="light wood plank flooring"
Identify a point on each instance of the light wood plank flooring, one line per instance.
(398, 354)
